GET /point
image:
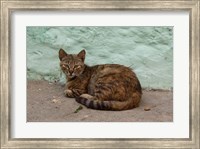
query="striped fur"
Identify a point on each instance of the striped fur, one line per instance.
(94, 104)
(107, 105)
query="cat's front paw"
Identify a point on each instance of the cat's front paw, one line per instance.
(69, 93)
(72, 93)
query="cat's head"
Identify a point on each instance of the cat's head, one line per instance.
(72, 64)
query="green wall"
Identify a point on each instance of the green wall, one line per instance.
(148, 50)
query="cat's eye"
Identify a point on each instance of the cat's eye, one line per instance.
(65, 66)
(77, 66)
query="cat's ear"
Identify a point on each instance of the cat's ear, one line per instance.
(81, 55)
(62, 54)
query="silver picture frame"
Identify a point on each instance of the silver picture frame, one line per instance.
(8, 7)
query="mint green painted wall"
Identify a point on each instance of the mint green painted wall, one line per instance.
(148, 50)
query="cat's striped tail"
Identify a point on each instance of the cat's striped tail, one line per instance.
(108, 105)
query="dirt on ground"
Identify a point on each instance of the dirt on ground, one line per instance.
(46, 103)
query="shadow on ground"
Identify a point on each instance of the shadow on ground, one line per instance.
(47, 103)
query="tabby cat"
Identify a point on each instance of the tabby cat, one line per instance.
(102, 87)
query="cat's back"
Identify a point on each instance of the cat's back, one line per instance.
(118, 77)
(106, 69)
(110, 73)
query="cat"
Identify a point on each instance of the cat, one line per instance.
(102, 87)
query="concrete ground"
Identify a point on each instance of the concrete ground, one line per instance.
(47, 103)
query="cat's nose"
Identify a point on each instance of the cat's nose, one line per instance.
(70, 71)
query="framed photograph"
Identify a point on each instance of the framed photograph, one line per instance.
(100, 74)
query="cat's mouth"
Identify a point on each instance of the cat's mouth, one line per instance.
(71, 75)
